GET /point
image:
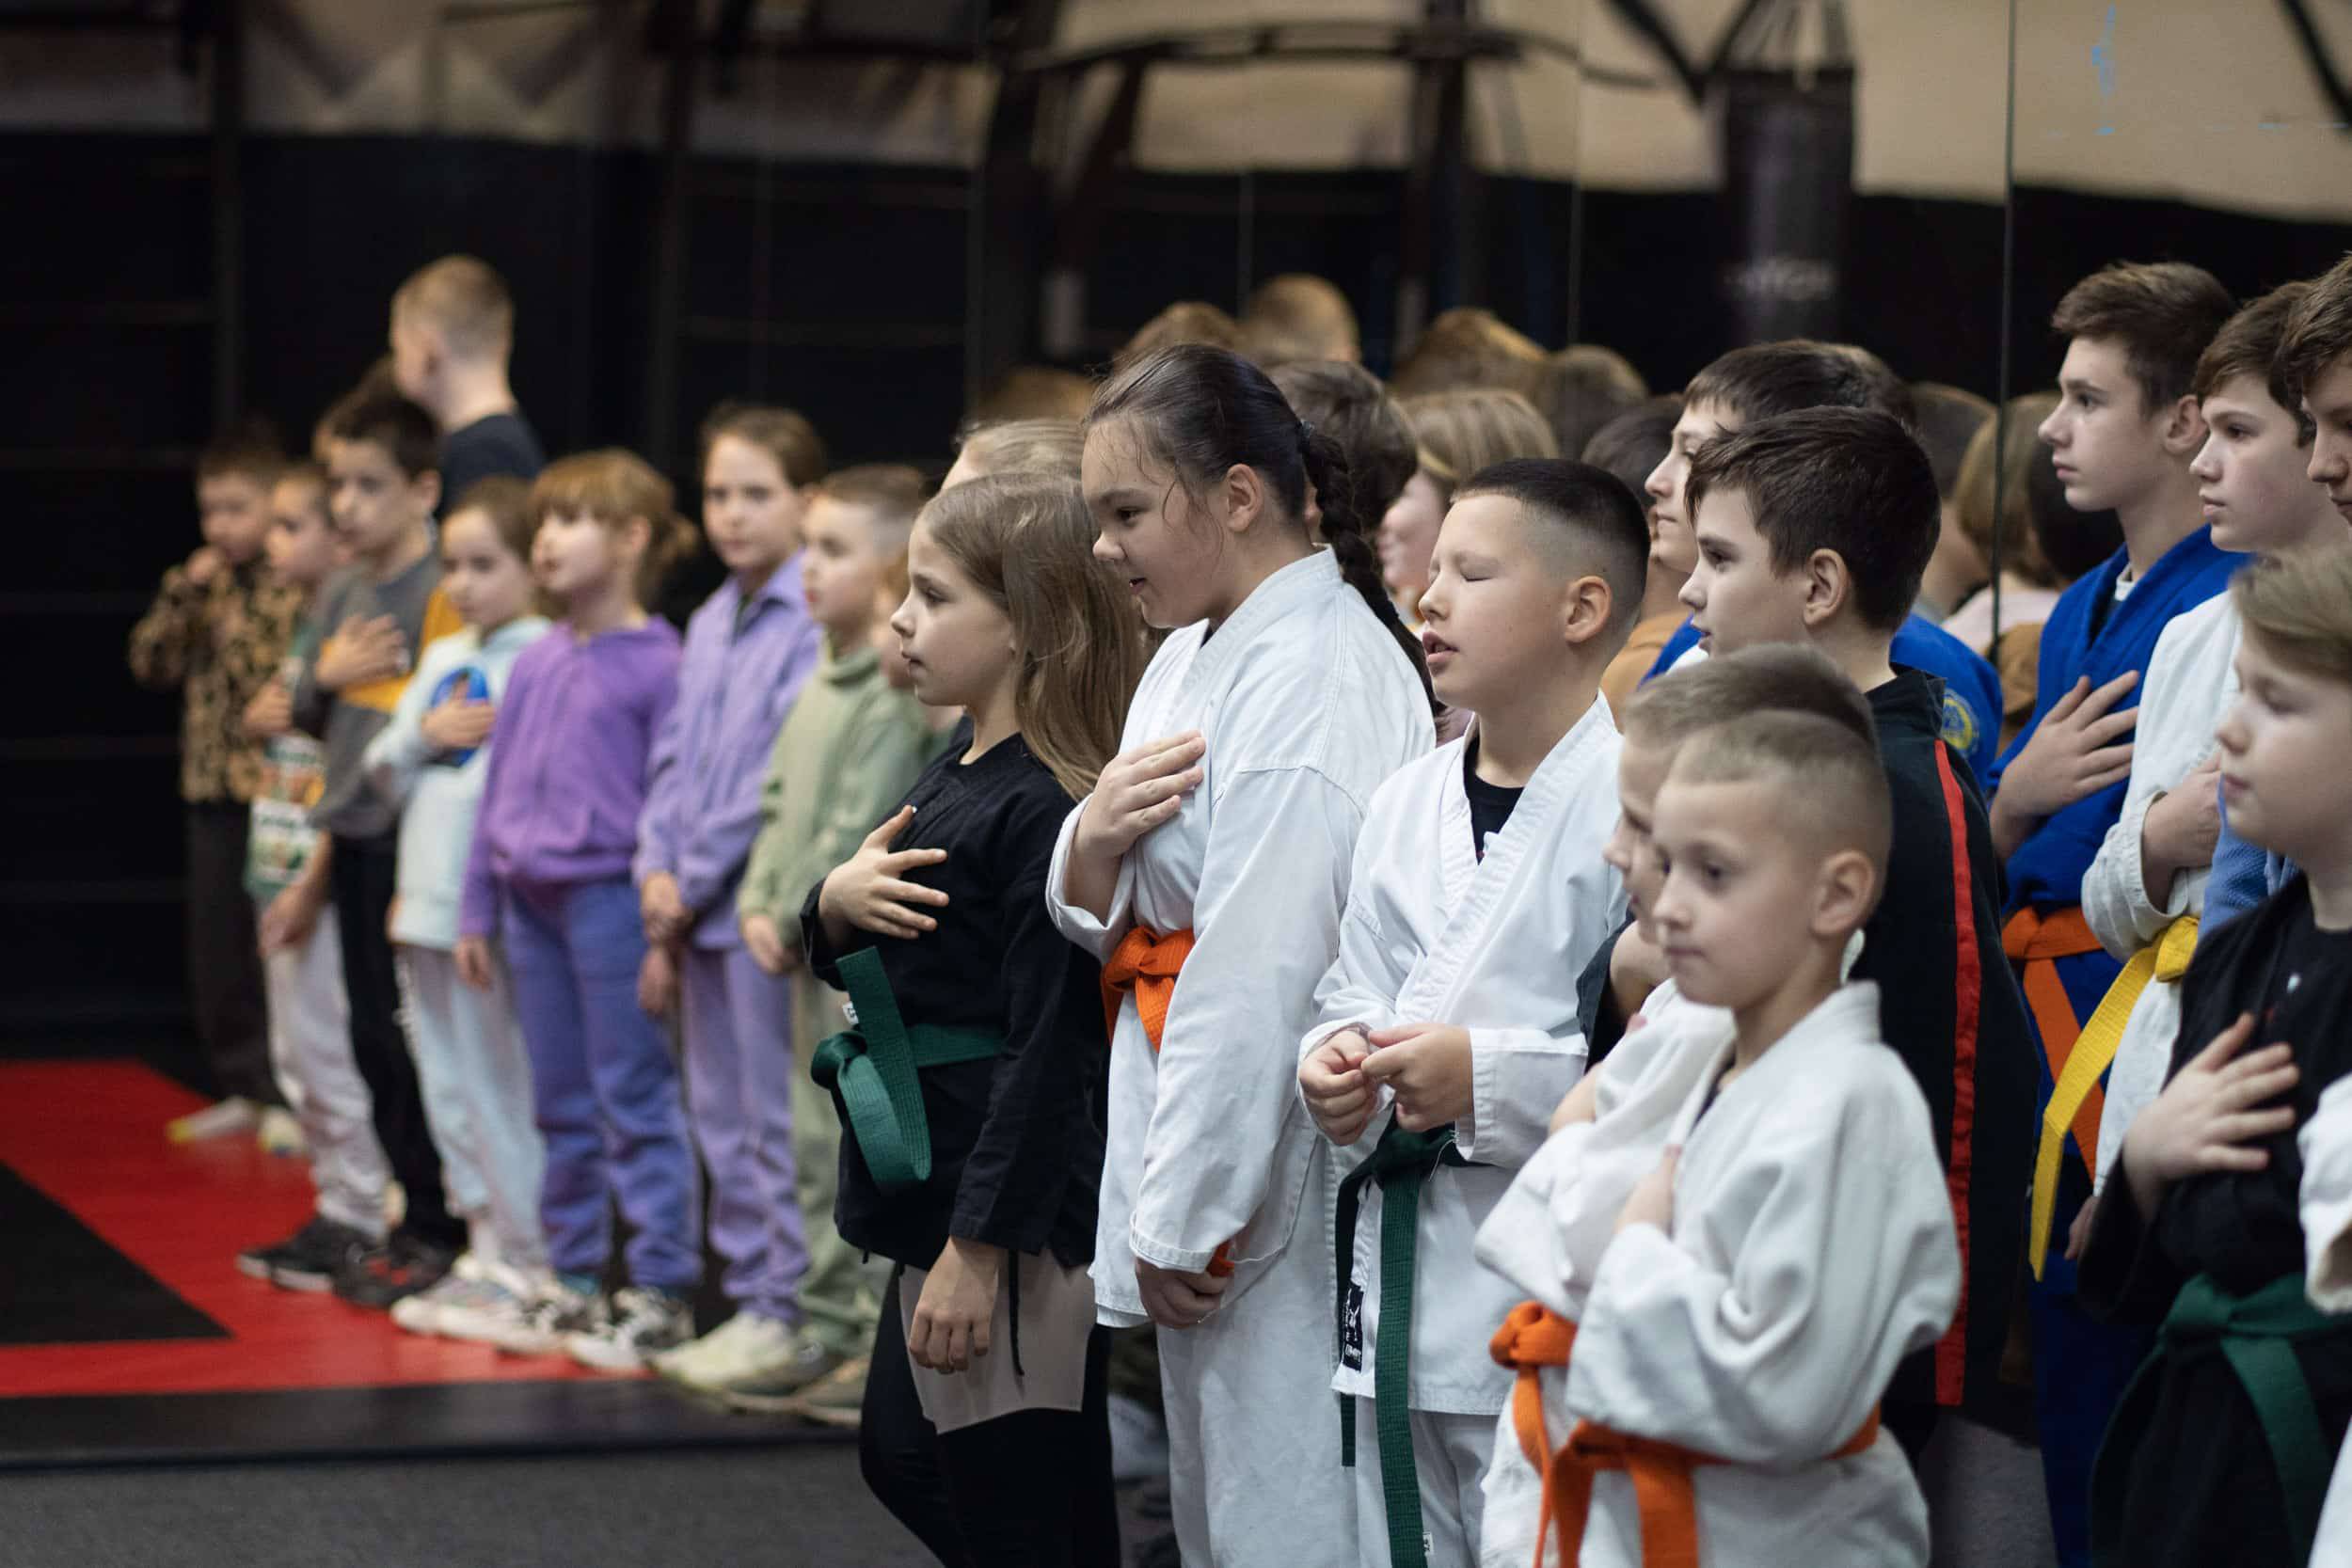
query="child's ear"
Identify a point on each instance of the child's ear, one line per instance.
(1585, 606)
(1828, 588)
(638, 532)
(1843, 896)
(1245, 497)
(2185, 428)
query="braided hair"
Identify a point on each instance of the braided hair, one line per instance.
(1204, 410)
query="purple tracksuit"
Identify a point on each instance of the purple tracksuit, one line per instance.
(548, 876)
(746, 658)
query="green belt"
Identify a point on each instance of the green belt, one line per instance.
(875, 1067)
(2256, 1335)
(1401, 1163)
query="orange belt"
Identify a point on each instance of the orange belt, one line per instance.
(1147, 963)
(1533, 1337)
(2034, 942)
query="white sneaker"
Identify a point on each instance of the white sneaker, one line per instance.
(221, 1120)
(766, 1358)
(422, 1312)
(280, 1134)
(495, 1310)
(550, 1317)
(714, 1347)
(643, 1323)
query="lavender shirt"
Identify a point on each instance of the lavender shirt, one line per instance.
(568, 776)
(746, 662)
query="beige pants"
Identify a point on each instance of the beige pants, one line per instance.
(1057, 1316)
(840, 1294)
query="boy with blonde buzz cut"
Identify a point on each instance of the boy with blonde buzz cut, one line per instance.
(1739, 1248)
(1446, 1028)
(453, 333)
(847, 751)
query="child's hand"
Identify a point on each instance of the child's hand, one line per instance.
(391, 920)
(1580, 1103)
(1636, 968)
(1427, 1066)
(2079, 1234)
(287, 923)
(951, 1318)
(1338, 1095)
(1139, 790)
(1176, 1300)
(204, 565)
(656, 981)
(2206, 1118)
(362, 651)
(766, 947)
(2180, 831)
(2076, 751)
(868, 892)
(1653, 1198)
(270, 714)
(666, 913)
(458, 723)
(473, 961)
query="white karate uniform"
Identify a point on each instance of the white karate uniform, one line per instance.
(1307, 703)
(1811, 1250)
(1435, 934)
(2190, 685)
(2325, 1200)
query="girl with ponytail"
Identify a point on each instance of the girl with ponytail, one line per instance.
(1218, 844)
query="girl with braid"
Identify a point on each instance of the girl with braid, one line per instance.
(1208, 869)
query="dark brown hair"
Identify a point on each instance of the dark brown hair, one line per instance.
(1349, 404)
(1848, 480)
(2163, 314)
(1633, 444)
(2319, 333)
(405, 431)
(248, 448)
(1949, 419)
(1204, 411)
(615, 487)
(1765, 379)
(2248, 344)
(1026, 541)
(783, 433)
(506, 502)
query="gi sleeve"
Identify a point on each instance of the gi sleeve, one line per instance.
(2325, 1198)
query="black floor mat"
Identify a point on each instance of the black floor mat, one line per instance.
(61, 1284)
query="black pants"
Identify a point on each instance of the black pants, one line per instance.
(1029, 1490)
(363, 879)
(225, 991)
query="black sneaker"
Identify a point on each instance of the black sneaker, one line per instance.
(398, 1269)
(309, 1258)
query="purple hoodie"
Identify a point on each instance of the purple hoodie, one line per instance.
(568, 776)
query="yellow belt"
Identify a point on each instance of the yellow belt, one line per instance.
(2165, 958)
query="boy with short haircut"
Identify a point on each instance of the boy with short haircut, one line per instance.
(2314, 371)
(2144, 894)
(2225, 1217)
(286, 872)
(1446, 1028)
(217, 631)
(847, 751)
(1347, 402)
(1814, 527)
(1765, 379)
(1949, 419)
(382, 489)
(1742, 1245)
(453, 333)
(2122, 437)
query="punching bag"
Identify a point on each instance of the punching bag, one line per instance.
(1784, 104)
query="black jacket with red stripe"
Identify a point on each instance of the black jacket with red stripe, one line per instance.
(1949, 1006)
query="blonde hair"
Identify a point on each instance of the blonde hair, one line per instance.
(1034, 392)
(1463, 431)
(1187, 321)
(1299, 316)
(615, 487)
(783, 433)
(2301, 613)
(1024, 447)
(465, 299)
(1818, 769)
(891, 493)
(1776, 677)
(1026, 541)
